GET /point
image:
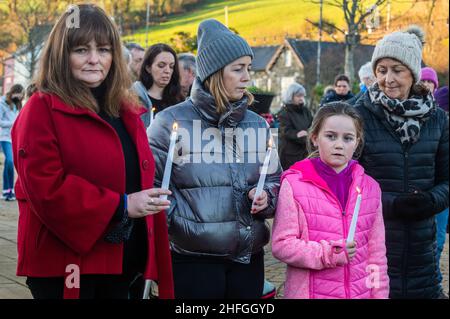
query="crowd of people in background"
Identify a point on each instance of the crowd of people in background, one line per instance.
(387, 142)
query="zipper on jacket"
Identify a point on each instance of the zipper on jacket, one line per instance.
(406, 239)
(344, 223)
(346, 270)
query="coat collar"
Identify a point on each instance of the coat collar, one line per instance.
(306, 171)
(205, 105)
(58, 104)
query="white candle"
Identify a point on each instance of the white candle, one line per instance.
(262, 176)
(152, 115)
(351, 232)
(169, 161)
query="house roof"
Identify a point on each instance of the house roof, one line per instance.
(263, 56)
(306, 50)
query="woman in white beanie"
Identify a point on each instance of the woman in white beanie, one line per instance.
(295, 119)
(217, 236)
(406, 151)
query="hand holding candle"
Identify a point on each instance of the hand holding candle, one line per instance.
(169, 161)
(262, 176)
(351, 232)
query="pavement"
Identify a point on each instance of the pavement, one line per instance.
(13, 287)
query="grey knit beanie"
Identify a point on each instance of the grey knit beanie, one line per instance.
(218, 47)
(404, 46)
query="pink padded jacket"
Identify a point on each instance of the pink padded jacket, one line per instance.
(309, 232)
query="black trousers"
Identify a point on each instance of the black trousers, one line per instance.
(91, 287)
(213, 278)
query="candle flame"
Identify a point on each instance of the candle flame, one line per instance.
(153, 109)
(175, 126)
(358, 190)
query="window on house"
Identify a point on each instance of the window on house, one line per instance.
(288, 59)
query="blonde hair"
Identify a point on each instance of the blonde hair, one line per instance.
(333, 109)
(216, 87)
(54, 75)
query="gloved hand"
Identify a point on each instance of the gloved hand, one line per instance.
(415, 206)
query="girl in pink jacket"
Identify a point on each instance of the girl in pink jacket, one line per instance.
(314, 213)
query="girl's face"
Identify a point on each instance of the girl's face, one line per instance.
(162, 69)
(90, 63)
(337, 141)
(236, 77)
(394, 78)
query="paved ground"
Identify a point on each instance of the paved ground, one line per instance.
(13, 287)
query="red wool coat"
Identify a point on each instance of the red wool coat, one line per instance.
(71, 174)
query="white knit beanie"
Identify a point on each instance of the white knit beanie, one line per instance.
(404, 46)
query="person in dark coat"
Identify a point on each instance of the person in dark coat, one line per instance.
(341, 91)
(406, 151)
(217, 236)
(90, 221)
(295, 119)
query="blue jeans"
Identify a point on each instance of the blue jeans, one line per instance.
(441, 230)
(8, 171)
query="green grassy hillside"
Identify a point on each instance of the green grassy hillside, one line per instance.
(253, 19)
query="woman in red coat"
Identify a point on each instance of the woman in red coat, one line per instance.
(90, 221)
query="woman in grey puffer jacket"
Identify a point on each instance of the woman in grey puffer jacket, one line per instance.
(217, 236)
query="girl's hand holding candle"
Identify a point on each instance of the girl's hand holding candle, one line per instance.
(351, 232)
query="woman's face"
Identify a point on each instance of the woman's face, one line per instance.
(298, 99)
(90, 63)
(17, 97)
(394, 78)
(429, 85)
(236, 77)
(161, 69)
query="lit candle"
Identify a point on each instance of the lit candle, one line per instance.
(351, 232)
(170, 154)
(152, 115)
(262, 176)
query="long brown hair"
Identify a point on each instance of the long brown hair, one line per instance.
(16, 88)
(54, 75)
(216, 87)
(329, 110)
(172, 92)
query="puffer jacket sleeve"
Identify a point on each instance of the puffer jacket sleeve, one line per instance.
(288, 238)
(377, 260)
(440, 192)
(68, 205)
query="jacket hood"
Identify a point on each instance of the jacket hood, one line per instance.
(306, 171)
(205, 105)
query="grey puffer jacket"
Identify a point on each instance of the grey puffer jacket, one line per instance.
(210, 210)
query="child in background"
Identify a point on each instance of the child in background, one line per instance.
(314, 212)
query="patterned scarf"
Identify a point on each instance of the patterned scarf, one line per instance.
(406, 117)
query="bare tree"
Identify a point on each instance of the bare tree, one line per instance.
(355, 14)
(34, 19)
